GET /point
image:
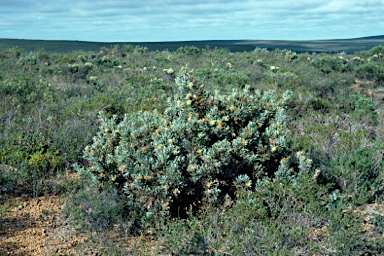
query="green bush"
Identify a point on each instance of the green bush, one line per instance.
(200, 151)
(359, 174)
(290, 56)
(189, 50)
(378, 50)
(34, 158)
(327, 64)
(370, 71)
(363, 108)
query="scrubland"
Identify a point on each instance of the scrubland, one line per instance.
(195, 151)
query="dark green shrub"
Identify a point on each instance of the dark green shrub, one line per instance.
(378, 222)
(370, 71)
(327, 64)
(321, 105)
(34, 159)
(31, 59)
(140, 49)
(202, 150)
(290, 56)
(189, 50)
(359, 174)
(363, 108)
(8, 178)
(378, 50)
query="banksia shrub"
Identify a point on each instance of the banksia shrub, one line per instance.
(200, 151)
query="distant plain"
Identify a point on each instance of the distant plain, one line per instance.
(300, 46)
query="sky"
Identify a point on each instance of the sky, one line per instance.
(183, 20)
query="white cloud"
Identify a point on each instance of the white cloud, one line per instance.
(168, 20)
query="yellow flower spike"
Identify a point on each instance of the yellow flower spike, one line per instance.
(113, 178)
(199, 151)
(232, 108)
(166, 186)
(212, 122)
(273, 149)
(209, 184)
(189, 102)
(228, 203)
(190, 85)
(165, 205)
(148, 178)
(248, 184)
(244, 142)
(122, 167)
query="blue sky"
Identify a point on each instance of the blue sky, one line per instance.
(182, 20)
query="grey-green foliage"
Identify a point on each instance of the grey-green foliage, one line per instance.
(290, 56)
(201, 150)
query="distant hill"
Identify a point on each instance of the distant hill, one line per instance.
(371, 38)
(327, 46)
